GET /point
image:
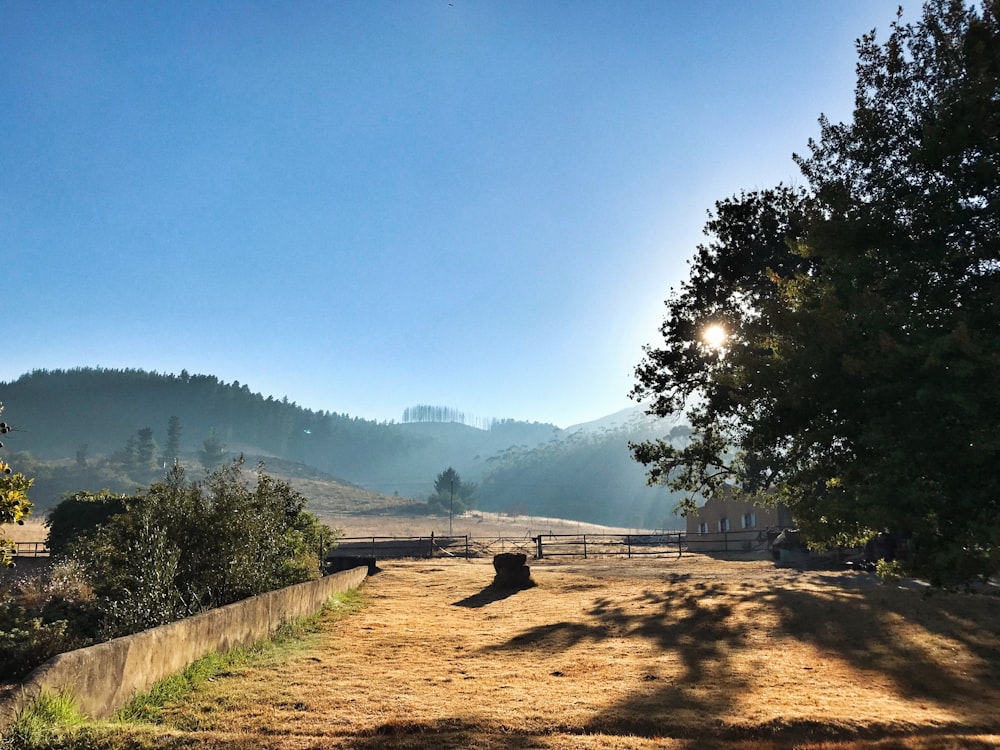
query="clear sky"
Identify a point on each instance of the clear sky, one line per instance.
(365, 206)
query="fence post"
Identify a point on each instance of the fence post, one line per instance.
(466, 546)
(584, 546)
(430, 549)
(629, 540)
(679, 547)
(373, 546)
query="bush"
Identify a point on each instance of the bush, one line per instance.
(131, 563)
(181, 547)
(44, 615)
(81, 513)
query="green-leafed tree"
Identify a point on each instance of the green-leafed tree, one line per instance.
(451, 494)
(14, 503)
(125, 456)
(213, 450)
(79, 514)
(180, 547)
(855, 379)
(173, 447)
(145, 449)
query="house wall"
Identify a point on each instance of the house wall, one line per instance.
(733, 509)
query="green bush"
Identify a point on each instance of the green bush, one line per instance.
(81, 513)
(182, 547)
(126, 564)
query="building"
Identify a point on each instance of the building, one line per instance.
(734, 524)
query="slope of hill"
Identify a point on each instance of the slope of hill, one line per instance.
(62, 411)
(584, 473)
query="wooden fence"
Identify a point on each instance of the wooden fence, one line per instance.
(30, 549)
(464, 546)
(610, 545)
(661, 544)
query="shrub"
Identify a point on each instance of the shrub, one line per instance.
(181, 547)
(43, 615)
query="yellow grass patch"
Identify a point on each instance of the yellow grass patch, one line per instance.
(32, 530)
(620, 654)
(479, 524)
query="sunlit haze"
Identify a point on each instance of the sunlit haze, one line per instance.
(714, 336)
(365, 206)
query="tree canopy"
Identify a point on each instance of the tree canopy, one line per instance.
(855, 342)
(451, 494)
(14, 503)
(180, 547)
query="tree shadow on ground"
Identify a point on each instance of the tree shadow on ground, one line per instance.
(693, 620)
(858, 626)
(708, 625)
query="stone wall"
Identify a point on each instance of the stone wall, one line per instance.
(103, 677)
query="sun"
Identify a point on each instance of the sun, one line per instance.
(714, 336)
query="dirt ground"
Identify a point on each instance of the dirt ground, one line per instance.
(612, 653)
(621, 654)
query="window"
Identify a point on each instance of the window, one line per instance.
(703, 527)
(723, 524)
(750, 520)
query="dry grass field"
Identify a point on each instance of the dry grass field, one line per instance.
(690, 653)
(480, 524)
(31, 531)
(650, 653)
(475, 523)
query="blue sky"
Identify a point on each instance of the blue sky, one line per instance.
(365, 206)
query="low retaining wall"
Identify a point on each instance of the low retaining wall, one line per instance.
(106, 676)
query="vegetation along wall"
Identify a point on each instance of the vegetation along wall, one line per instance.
(105, 676)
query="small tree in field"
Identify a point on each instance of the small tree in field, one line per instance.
(451, 495)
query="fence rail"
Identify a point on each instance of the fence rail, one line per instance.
(661, 544)
(609, 545)
(30, 549)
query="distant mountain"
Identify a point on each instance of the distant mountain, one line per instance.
(584, 472)
(633, 418)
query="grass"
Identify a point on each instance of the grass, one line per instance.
(475, 523)
(690, 653)
(288, 641)
(32, 530)
(54, 721)
(43, 724)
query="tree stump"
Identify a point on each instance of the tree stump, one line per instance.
(511, 571)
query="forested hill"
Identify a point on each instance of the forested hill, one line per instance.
(97, 411)
(61, 411)
(583, 473)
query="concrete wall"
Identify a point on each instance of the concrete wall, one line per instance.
(106, 676)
